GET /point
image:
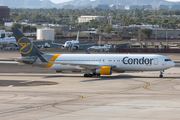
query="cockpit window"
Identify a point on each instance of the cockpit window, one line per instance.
(167, 60)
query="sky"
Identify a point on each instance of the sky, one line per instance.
(61, 1)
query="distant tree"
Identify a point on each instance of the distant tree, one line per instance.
(176, 12)
(164, 13)
(16, 25)
(138, 23)
(38, 24)
(14, 15)
(58, 31)
(108, 29)
(60, 15)
(147, 32)
(2, 28)
(27, 28)
(165, 21)
(170, 22)
(78, 26)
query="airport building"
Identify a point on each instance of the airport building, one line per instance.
(147, 7)
(166, 33)
(112, 7)
(89, 18)
(133, 7)
(129, 31)
(175, 7)
(164, 7)
(120, 7)
(4, 13)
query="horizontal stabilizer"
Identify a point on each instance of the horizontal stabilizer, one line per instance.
(87, 51)
(26, 60)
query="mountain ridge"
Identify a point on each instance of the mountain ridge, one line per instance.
(50, 4)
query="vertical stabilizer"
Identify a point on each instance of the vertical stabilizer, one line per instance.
(77, 39)
(26, 47)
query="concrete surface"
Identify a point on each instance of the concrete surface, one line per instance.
(36, 94)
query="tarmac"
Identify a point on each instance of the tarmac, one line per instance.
(32, 93)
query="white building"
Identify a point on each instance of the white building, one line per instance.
(164, 7)
(9, 24)
(89, 18)
(120, 7)
(145, 26)
(45, 34)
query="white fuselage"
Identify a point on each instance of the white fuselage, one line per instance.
(9, 40)
(70, 43)
(100, 47)
(123, 62)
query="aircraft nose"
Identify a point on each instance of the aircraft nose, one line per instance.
(173, 64)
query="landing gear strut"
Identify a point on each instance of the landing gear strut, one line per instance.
(161, 74)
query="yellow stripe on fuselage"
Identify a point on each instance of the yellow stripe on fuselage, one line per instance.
(51, 62)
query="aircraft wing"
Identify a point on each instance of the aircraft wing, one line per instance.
(87, 66)
(57, 43)
(27, 60)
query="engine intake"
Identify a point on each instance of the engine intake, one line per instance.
(104, 70)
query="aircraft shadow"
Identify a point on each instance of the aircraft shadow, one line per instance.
(104, 78)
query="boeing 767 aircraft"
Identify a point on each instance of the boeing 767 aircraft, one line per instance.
(92, 64)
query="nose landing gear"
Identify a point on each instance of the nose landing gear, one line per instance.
(161, 74)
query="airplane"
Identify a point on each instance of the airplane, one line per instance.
(70, 44)
(106, 46)
(92, 64)
(8, 40)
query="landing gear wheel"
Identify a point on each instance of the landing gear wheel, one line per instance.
(85, 75)
(90, 75)
(94, 74)
(98, 75)
(58, 71)
(161, 76)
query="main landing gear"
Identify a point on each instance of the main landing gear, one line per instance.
(91, 75)
(161, 74)
(58, 71)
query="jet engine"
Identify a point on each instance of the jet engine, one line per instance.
(104, 70)
(76, 47)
